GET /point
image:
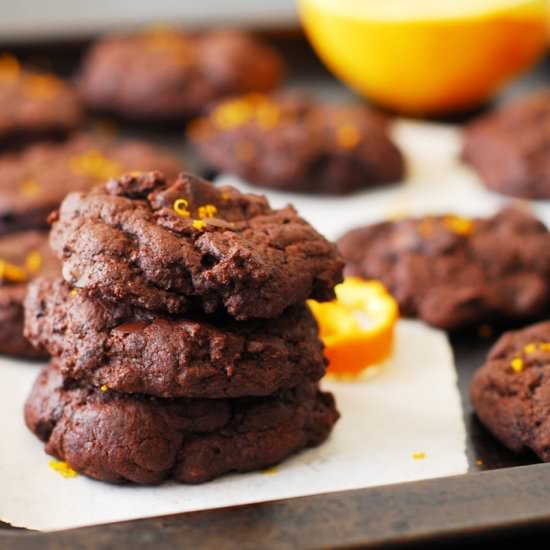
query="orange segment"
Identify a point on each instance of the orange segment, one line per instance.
(358, 327)
(427, 56)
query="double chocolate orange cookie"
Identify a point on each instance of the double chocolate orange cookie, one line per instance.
(23, 257)
(510, 147)
(133, 350)
(34, 182)
(293, 143)
(34, 105)
(175, 246)
(511, 392)
(163, 73)
(141, 439)
(452, 271)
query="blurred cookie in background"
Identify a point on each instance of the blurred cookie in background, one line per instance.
(34, 105)
(164, 73)
(510, 147)
(23, 256)
(34, 182)
(452, 271)
(293, 143)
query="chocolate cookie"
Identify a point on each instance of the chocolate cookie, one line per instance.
(34, 182)
(452, 271)
(120, 438)
(177, 246)
(34, 105)
(510, 148)
(132, 351)
(165, 73)
(296, 144)
(511, 392)
(22, 257)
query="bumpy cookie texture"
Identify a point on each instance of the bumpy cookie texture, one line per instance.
(164, 73)
(292, 143)
(121, 438)
(34, 105)
(511, 392)
(22, 257)
(452, 271)
(134, 351)
(177, 246)
(510, 148)
(34, 182)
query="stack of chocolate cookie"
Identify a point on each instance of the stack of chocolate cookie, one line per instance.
(182, 346)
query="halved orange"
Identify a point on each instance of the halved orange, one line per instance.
(358, 327)
(427, 57)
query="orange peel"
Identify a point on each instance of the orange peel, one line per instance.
(358, 327)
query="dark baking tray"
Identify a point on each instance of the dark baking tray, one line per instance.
(503, 497)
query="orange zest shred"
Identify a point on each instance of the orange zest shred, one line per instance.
(348, 136)
(180, 207)
(517, 364)
(10, 68)
(458, 225)
(358, 327)
(30, 188)
(41, 86)
(33, 261)
(199, 224)
(12, 273)
(207, 211)
(62, 468)
(95, 165)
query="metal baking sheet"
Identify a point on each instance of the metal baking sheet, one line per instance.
(502, 493)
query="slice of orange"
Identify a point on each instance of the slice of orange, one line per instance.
(427, 56)
(358, 327)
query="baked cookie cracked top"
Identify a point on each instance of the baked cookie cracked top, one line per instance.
(511, 392)
(452, 271)
(35, 181)
(162, 73)
(34, 105)
(184, 245)
(293, 143)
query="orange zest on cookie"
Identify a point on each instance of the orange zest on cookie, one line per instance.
(358, 327)
(62, 468)
(94, 164)
(180, 206)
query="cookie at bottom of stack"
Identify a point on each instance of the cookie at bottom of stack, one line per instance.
(141, 439)
(511, 392)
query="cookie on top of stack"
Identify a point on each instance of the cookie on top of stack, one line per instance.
(182, 346)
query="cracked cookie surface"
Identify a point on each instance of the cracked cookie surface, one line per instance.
(132, 350)
(119, 438)
(23, 256)
(511, 392)
(452, 271)
(296, 144)
(184, 245)
(35, 181)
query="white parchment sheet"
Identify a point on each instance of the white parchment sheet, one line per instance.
(409, 407)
